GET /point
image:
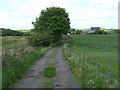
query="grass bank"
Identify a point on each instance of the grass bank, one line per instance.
(18, 56)
(89, 55)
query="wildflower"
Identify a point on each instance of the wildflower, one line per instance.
(90, 81)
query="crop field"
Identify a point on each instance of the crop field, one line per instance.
(90, 50)
(17, 57)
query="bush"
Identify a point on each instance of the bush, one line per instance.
(41, 39)
(100, 32)
(78, 31)
(117, 30)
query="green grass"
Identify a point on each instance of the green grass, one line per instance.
(50, 72)
(14, 72)
(10, 40)
(48, 84)
(17, 62)
(52, 56)
(101, 48)
(51, 64)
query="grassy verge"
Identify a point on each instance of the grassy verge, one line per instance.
(18, 57)
(91, 69)
(86, 74)
(101, 48)
(12, 73)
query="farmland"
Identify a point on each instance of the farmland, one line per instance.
(67, 47)
(102, 49)
(89, 57)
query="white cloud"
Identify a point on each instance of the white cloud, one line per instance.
(105, 3)
(102, 13)
(82, 13)
(23, 12)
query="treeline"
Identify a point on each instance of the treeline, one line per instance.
(9, 32)
(89, 31)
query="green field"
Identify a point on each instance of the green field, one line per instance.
(100, 48)
(103, 48)
(18, 56)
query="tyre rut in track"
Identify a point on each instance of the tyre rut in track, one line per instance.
(34, 77)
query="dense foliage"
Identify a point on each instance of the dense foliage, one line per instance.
(100, 32)
(41, 39)
(17, 57)
(72, 29)
(78, 31)
(117, 30)
(53, 19)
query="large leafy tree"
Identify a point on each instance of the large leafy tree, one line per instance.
(54, 19)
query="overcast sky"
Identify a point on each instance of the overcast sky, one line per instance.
(18, 14)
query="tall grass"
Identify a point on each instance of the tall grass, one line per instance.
(83, 54)
(103, 48)
(18, 57)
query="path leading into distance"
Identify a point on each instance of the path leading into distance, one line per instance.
(34, 77)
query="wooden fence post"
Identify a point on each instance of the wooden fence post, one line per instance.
(97, 71)
(83, 62)
(108, 75)
(89, 59)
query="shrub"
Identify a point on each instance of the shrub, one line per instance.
(78, 31)
(100, 32)
(41, 39)
(117, 30)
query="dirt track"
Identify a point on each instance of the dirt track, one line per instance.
(34, 77)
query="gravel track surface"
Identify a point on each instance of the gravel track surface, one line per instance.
(34, 78)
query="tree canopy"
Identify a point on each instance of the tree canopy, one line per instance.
(54, 19)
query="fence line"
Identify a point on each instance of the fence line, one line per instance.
(108, 74)
(97, 71)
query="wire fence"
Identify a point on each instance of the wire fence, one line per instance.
(91, 70)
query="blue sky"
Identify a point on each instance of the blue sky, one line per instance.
(18, 14)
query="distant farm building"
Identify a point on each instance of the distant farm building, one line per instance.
(95, 28)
